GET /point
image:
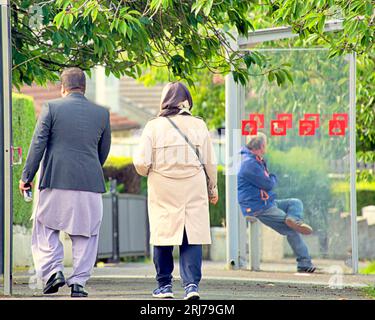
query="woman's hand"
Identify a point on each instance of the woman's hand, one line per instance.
(214, 199)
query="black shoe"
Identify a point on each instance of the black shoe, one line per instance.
(78, 291)
(310, 269)
(53, 284)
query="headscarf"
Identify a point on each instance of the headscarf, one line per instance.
(175, 99)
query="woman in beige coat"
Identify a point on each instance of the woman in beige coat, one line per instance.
(177, 156)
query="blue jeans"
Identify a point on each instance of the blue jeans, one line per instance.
(274, 217)
(190, 263)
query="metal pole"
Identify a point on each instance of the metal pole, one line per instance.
(6, 152)
(254, 243)
(353, 161)
(232, 143)
(242, 224)
(115, 223)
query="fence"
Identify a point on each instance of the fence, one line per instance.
(124, 230)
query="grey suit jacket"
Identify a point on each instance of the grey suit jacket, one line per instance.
(74, 136)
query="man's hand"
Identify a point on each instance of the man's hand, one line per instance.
(214, 199)
(22, 188)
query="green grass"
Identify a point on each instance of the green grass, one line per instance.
(369, 269)
(369, 291)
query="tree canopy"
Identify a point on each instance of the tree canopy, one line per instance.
(184, 36)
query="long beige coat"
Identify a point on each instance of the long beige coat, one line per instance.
(177, 188)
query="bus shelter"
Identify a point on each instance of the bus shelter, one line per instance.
(310, 125)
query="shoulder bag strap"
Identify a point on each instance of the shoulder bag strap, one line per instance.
(196, 150)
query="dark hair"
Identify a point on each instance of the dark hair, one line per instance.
(73, 79)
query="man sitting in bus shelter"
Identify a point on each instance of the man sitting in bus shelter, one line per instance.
(256, 198)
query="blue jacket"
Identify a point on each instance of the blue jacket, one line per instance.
(254, 184)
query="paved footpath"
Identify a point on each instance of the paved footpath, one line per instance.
(136, 281)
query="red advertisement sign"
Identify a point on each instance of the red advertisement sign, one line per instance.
(249, 128)
(337, 127)
(288, 118)
(341, 116)
(307, 127)
(313, 116)
(259, 118)
(278, 128)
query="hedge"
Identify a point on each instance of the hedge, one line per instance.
(365, 193)
(122, 169)
(23, 118)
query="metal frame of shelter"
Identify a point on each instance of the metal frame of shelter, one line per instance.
(5, 148)
(235, 97)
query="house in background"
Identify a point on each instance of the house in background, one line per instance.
(126, 96)
(128, 99)
(120, 124)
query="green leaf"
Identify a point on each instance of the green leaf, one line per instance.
(123, 27)
(113, 25)
(207, 8)
(68, 19)
(321, 24)
(280, 77)
(249, 60)
(197, 6)
(259, 60)
(59, 19)
(94, 14)
(288, 75)
(271, 76)
(156, 4)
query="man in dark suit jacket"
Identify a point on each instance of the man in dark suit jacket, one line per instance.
(72, 140)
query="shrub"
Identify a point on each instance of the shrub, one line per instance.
(369, 269)
(23, 120)
(217, 212)
(123, 170)
(365, 193)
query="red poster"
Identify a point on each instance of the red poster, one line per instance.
(259, 118)
(307, 127)
(249, 128)
(341, 116)
(313, 116)
(337, 127)
(287, 117)
(278, 128)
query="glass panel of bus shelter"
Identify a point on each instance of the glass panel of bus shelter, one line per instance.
(308, 149)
